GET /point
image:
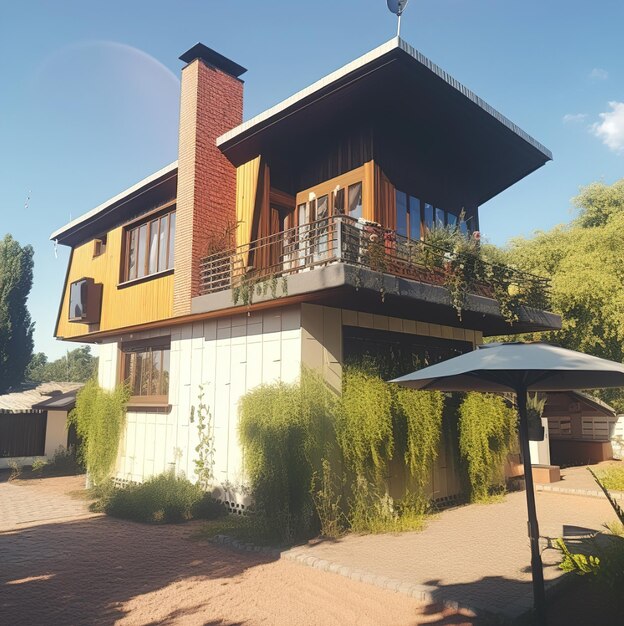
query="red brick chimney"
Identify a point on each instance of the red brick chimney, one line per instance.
(211, 103)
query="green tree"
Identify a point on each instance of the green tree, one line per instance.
(76, 366)
(584, 261)
(16, 327)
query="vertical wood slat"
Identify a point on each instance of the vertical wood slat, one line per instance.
(22, 434)
(247, 178)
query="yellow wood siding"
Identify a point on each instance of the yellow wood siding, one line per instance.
(246, 192)
(146, 301)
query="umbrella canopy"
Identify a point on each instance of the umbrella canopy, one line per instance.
(520, 367)
(500, 367)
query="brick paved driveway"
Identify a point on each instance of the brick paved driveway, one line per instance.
(61, 565)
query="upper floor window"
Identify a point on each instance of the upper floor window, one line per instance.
(99, 246)
(150, 247)
(407, 215)
(415, 218)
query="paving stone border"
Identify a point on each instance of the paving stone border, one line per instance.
(573, 491)
(421, 593)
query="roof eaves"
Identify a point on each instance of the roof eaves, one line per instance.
(394, 44)
(106, 205)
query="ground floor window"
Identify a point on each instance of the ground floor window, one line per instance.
(145, 368)
(395, 354)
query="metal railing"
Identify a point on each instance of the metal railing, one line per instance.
(342, 239)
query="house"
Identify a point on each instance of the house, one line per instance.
(33, 422)
(291, 239)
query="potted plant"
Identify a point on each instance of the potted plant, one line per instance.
(535, 409)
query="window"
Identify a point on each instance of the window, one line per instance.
(78, 300)
(414, 218)
(428, 217)
(99, 246)
(355, 200)
(439, 218)
(145, 368)
(150, 247)
(407, 215)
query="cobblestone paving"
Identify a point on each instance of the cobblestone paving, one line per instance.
(476, 555)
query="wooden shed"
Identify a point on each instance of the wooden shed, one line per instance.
(580, 426)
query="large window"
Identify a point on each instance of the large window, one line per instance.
(150, 247)
(415, 218)
(407, 215)
(145, 368)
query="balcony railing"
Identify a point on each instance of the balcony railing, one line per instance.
(341, 239)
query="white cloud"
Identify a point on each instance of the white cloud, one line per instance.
(599, 74)
(611, 129)
(573, 118)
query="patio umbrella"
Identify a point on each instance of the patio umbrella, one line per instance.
(520, 368)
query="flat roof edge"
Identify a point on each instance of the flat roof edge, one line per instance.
(308, 91)
(395, 43)
(446, 77)
(111, 201)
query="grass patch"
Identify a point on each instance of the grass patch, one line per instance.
(248, 528)
(612, 478)
(163, 499)
(65, 462)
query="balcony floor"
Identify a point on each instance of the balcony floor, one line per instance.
(345, 286)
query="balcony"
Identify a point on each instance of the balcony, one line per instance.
(340, 254)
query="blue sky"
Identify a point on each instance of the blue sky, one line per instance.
(89, 96)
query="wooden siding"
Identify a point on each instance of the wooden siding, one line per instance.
(246, 195)
(147, 300)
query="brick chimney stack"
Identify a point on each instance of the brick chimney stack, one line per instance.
(211, 103)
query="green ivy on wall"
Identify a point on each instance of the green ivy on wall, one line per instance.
(487, 433)
(100, 418)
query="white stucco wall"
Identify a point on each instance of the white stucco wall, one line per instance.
(56, 432)
(229, 357)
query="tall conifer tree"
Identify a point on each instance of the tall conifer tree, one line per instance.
(16, 327)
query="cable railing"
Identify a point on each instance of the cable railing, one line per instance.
(342, 239)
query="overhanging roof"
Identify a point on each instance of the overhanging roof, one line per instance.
(102, 216)
(395, 83)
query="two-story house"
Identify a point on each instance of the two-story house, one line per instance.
(292, 239)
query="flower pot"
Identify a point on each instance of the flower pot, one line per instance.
(536, 433)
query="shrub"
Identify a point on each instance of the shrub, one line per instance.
(38, 466)
(165, 498)
(372, 510)
(209, 508)
(100, 418)
(365, 426)
(487, 430)
(281, 429)
(16, 470)
(421, 412)
(326, 494)
(612, 478)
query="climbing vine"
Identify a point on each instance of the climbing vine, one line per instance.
(204, 460)
(250, 286)
(487, 433)
(283, 428)
(365, 426)
(422, 412)
(100, 418)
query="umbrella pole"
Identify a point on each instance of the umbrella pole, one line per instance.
(539, 596)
